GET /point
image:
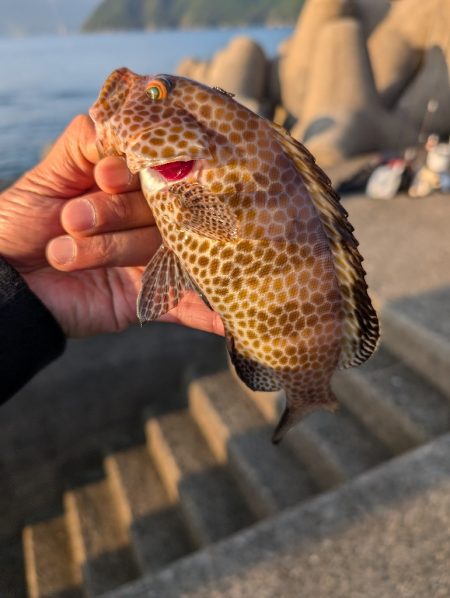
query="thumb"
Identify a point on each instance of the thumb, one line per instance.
(68, 168)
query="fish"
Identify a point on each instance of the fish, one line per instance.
(250, 222)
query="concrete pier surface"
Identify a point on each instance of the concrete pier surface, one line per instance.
(142, 442)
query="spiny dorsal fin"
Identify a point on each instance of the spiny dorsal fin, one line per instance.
(361, 329)
(224, 92)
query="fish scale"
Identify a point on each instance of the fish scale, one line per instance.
(252, 224)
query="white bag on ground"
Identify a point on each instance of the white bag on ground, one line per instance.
(386, 180)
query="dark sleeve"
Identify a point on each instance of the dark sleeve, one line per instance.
(30, 337)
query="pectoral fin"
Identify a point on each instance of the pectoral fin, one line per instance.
(164, 283)
(204, 213)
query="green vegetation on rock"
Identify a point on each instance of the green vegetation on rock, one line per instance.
(149, 14)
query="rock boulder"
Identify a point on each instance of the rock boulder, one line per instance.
(398, 44)
(194, 69)
(241, 68)
(342, 115)
(295, 66)
(371, 13)
(426, 102)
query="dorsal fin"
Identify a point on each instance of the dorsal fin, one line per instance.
(361, 329)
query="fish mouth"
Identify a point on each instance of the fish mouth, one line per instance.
(175, 171)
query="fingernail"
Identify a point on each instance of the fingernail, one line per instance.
(63, 250)
(119, 175)
(131, 178)
(80, 215)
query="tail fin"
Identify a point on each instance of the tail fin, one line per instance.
(296, 410)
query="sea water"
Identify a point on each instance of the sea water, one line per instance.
(45, 81)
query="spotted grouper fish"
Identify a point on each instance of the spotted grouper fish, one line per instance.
(250, 221)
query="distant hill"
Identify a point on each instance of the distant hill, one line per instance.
(150, 14)
(28, 17)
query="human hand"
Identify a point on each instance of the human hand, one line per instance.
(88, 219)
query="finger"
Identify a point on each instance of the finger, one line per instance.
(101, 213)
(112, 175)
(130, 248)
(192, 312)
(68, 168)
(78, 142)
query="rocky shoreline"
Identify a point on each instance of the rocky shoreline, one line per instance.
(355, 78)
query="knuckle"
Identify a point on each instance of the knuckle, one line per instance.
(120, 208)
(78, 134)
(104, 248)
(78, 123)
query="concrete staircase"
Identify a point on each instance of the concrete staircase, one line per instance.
(208, 472)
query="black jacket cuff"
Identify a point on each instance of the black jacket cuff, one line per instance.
(30, 337)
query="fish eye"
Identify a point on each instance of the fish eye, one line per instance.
(156, 90)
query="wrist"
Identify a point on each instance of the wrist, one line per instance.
(30, 337)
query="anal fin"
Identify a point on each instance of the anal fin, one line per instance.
(164, 283)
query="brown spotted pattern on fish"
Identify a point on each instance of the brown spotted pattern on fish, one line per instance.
(250, 221)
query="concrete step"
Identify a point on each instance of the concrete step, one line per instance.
(418, 343)
(100, 544)
(334, 447)
(154, 523)
(50, 571)
(383, 534)
(270, 477)
(209, 500)
(396, 404)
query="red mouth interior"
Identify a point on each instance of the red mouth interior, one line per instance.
(174, 171)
